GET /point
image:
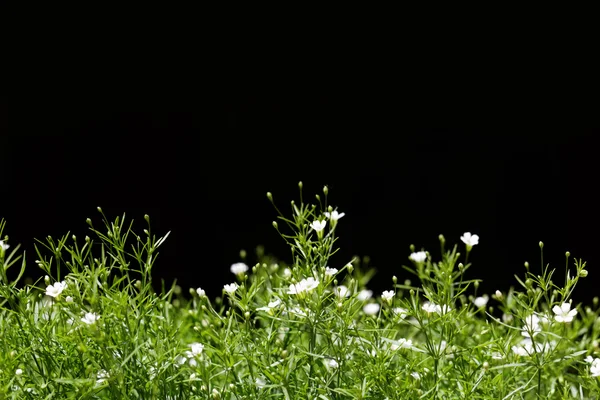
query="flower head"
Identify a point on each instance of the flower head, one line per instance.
(401, 344)
(101, 376)
(332, 363)
(238, 268)
(305, 285)
(201, 292)
(330, 271)
(401, 312)
(371, 308)
(196, 350)
(90, 318)
(334, 216)
(56, 289)
(388, 295)
(564, 313)
(532, 325)
(269, 308)
(418, 257)
(364, 295)
(469, 240)
(231, 288)
(595, 367)
(318, 225)
(342, 291)
(480, 301)
(3, 246)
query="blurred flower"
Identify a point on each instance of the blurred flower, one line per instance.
(342, 291)
(69, 299)
(332, 363)
(481, 301)
(418, 257)
(90, 318)
(365, 295)
(269, 308)
(3, 246)
(401, 344)
(334, 216)
(101, 376)
(371, 308)
(400, 312)
(330, 271)
(201, 292)
(238, 268)
(388, 296)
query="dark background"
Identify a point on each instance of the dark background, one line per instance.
(201, 170)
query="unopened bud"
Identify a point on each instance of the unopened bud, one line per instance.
(74, 237)
(269, 196)
(300, 185)
(325, 190)
(243, 254)
(88, 221)
(247, 315)
(394, 279)
(568, 254)
(541, 245)
(442, 238)
(350, 268)
(499, 295)
(583, 273)
(526, 264)
(147, 217)
(99, 209)
(46, 279)
(275, 225)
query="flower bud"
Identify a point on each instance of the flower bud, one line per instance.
(394, 279)
(541, 245)
(325, 190)
(583, 273)
(300, 185)
(275, 225)
(46, 279)
(243, 254)
(568, 254)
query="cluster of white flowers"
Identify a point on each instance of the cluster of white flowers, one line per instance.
(594, 366)
(305, 285)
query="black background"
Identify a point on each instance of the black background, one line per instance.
(201, 170)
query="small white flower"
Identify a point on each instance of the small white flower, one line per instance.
(231, 288)
(520, 351)
(19, 371)
(429, 307)
(342, 291)
(90, 318)
(238, 268)
(69, 299)
(564, 312)
(332, 363)
(364, 295)
(180, 360)
(497, 356)
(56, 289)
(101, 376)
(4, 246)
(481, 301)
(287, 273)
(388, 295)
(371, 308)
(469, 240)
(330, 271)
(334, 216)
(196, 349)
(305, 285)
(595, 367)
(418, 257)
(401, 312)
(531, 326)
(499, 295)
(589, 359)
(416, 375)
(201, 292)
(269, 308)
(318, 225)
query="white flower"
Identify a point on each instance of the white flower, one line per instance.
(332, 363)
(531, 326)
(431, 308)
(101, 376)
(196, 349)
(305, 285)
(69, 299)
(371, 308)
(269, 308)
(481, 301)
(3, 246)
(497, 356)
(401, 312)
(231, 288)
(238, 268)
(401, 344)
(318, 225)
(330, 271)
(416, 375)
(56, 289)
(364, 295)
(520, 351)
(334, 216)
(388, 295)
(469, 240)
(418, 257)
(201, 292)
(589, 359)
(342, 291)
(564, 312)
(19, 371)
(595, 368)
(287, 273)
(90, 318)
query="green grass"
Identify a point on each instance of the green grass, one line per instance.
(94, 328)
